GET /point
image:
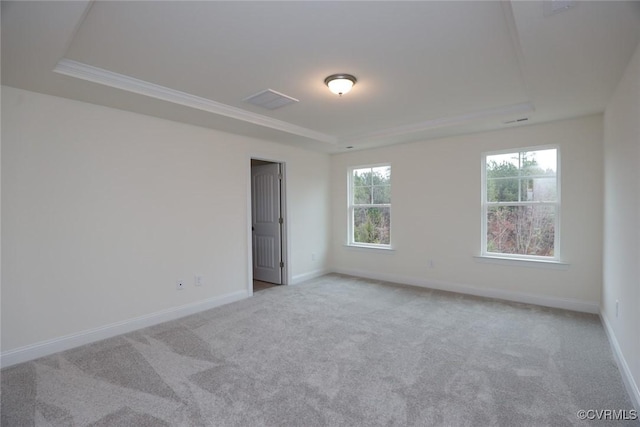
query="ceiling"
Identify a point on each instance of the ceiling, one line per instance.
(425, 69)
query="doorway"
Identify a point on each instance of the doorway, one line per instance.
(267, 224)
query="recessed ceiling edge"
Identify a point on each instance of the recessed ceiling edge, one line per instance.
(104, 77)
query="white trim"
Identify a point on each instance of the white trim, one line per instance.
(514, 35)
(525, 107)
(546, 301)
(366, 248)
(249, 235)
(300, 278)
(486, 204)
(45, 348)
(286, 226)
(101, 76)
(625, 372)
(522, 262)
(351, 208)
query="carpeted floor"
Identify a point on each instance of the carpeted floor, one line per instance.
(335, 351)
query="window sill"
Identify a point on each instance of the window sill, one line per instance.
(522, 262)
(367, 248)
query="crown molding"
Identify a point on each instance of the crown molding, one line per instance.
(526, 107)
(104, 77)
(514, 36)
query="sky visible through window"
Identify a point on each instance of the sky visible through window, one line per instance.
(546, 159)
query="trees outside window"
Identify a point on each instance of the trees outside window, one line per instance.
(370, 205)
(521, 203)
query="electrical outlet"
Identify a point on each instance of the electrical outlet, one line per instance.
(198, 280)
(431, 265)
(616, 308)
(313, 256)
(179, 285)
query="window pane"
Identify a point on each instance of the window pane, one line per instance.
(526, 163)
(543, 190)
(362, 195)
(539, 162)
(503, 165)
(522, 230)
(382, 194)
(502, 190)
(371, 225)
(361, 177)
(382, 175)
(526, 190)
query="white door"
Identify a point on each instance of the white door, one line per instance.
(266, 223)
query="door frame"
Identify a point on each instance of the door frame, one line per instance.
(286, 271)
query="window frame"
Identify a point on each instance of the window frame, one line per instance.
(556, 258)
(351, 209)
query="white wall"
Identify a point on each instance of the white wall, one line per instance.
(436, 215)
(622, 222)
(102, 210)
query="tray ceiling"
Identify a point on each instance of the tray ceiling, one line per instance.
(424, 69)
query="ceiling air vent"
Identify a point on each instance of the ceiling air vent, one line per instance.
(523, 119)
(270, 99)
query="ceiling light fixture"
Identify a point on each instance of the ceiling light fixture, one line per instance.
(340, 83)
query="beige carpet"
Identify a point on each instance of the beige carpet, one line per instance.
(336, 351)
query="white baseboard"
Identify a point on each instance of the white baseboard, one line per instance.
(45, 348)
(296, 280)
(627, 377)
(564, 303)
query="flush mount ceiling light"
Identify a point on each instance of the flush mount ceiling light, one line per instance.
(340, 83)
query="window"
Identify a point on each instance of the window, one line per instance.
(370, 206)
(521, 204)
